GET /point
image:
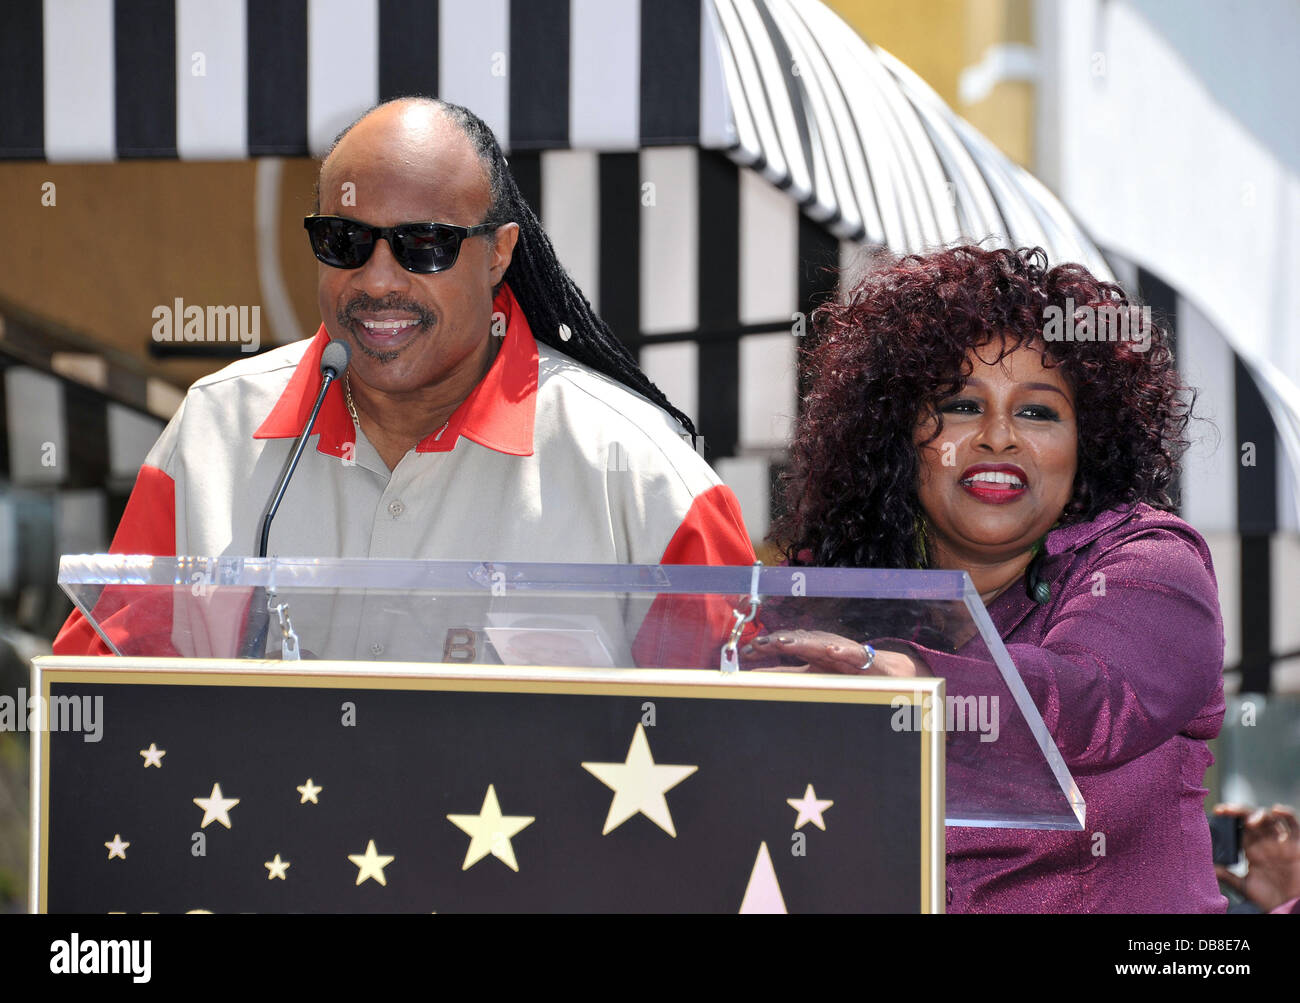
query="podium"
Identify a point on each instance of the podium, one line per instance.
(315, 735)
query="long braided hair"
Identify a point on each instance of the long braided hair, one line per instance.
(548, 295)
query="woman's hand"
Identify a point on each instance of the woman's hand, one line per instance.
(822, 651)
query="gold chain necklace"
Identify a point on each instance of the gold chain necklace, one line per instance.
(352, 408)
(347, 397)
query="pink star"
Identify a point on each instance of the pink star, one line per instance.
(809, 809)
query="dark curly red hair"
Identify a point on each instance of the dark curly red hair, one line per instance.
(882, 358)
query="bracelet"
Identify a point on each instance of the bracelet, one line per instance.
(871, 658)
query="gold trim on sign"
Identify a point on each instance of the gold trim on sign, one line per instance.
(39, 751)
(668, 683)
(486, 678)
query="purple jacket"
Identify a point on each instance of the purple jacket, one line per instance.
(1130, 684)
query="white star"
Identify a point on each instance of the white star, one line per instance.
(277, 867)
(153, 756)
(371, 864)
(309, 792)
(216, 808)
(117, 848)
(809, 809)
(490, 832)
(639, 785)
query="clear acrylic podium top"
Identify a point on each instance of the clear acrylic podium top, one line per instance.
(1003, 768)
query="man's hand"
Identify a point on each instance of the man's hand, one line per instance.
(822, 651)
(1270, 841)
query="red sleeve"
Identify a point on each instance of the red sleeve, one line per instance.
(685, 631)
(148, 526)
(713, 532)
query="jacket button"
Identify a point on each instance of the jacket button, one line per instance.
(396, 508)
(376, 648)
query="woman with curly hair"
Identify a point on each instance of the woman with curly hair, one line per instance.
(970, 410)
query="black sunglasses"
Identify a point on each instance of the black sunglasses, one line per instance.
(423, 248)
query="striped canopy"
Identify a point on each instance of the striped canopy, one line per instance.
(784, 86)
(867, 146)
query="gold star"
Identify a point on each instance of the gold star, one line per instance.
(309, 792)
(639, 785)
(216, 808)
(810, 809)
(277, 867)
(371, 864)
(490, 832)
(153, 756)
(117, 848)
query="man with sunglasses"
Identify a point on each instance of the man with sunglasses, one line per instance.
(487, 413)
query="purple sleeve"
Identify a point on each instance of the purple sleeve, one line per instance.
(1131, 656)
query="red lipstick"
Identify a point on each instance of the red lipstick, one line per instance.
(994, 483)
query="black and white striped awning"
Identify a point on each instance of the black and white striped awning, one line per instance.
(231, 79)
(784, 86)
(867, 146)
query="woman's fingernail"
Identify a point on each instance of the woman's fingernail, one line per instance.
(762, 640)
(785, 639)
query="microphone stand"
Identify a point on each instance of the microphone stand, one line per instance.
(256, 628)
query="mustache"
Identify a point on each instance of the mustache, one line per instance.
(361, 302)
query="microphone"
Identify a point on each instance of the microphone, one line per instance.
(333, 363)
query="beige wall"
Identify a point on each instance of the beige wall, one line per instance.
(938, 39)
(928, 35)
(123, 238)
(1006, 115)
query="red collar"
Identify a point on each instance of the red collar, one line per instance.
(497, 414)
